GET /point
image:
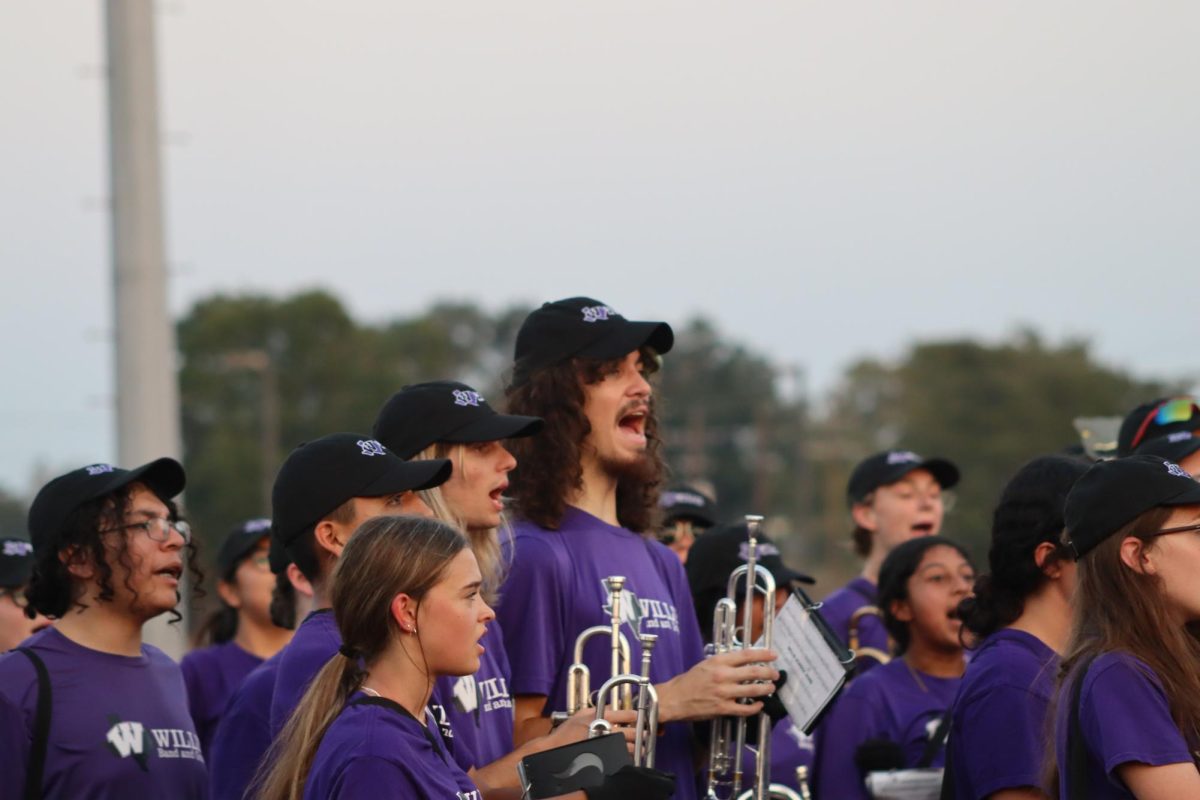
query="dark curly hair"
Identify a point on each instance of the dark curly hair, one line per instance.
(1030, 512)
(53, 591)
(549, 465)
(900, 565)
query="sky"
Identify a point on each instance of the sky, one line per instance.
(826, 181)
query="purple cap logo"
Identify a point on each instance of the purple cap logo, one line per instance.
(597, 313)
(99, 469)
(902, 457)
(764, 549)
(463, 397)
(370, 447)
(16, 547)
(1177, 471)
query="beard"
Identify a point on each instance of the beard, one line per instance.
(637, 471)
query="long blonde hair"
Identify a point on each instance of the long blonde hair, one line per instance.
(384, 557)
(488, 543)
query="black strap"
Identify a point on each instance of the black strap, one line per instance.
(948, 773)
(934, 745)
(41, 728)
(1077, 754)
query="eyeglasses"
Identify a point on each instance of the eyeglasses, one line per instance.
(157, 528)
(1180, 529)
(1179, 409)
(18, 596)
(262, 563)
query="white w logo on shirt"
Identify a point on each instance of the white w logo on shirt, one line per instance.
(127, 738)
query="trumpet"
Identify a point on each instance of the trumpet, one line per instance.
(579, 680)
(728, 734)
(778, 791)
(853, 639)
(646, 731)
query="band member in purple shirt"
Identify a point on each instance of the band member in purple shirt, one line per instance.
(16, 565)
(324, 491)
(895, 716)
(711, 560)
(894, 496)
(1127, 715)
(1021, 614)
(244, 733)
(109, 557)
(240, 631)
(586, 491)
(447, 419)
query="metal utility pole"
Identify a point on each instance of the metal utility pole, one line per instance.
(146, 378)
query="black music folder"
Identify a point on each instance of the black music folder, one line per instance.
(573, 766)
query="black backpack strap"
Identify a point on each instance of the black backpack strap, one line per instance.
(41, 728)
(936, 740)
(948, 772)
(1077, 754)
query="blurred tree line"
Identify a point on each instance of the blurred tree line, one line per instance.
(260, 375)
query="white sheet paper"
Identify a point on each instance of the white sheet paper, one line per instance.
(814, 673)
(906, 784)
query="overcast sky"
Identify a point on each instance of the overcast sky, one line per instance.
(826, 180)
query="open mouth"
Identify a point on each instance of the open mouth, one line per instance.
(175, 572)
(922, 529)
(634, 423)
(497, 497)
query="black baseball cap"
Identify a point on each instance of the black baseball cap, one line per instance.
(1159, 417)
(16, 561)
(322, 474)
(241, 542)
(1113, 493)
(444, 411)
(890, 466)
(60, 497)
(720, 551)
(687, 502)
(585, 328)
(1173, 446)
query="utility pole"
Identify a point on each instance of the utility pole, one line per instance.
(146, 377)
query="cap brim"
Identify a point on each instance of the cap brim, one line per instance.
(785, 574)
(629, 337)
(688, 512)
(1188, 497)
(246, 543)
(1172, 451)
(407, 476)
(495, 427)
(943, 471)
(164, 476)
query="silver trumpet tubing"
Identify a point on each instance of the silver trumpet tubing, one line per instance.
(579, 678)
(778, 791)
(646, 730)
(728, 734)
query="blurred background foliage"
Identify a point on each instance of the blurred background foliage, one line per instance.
(261, 374)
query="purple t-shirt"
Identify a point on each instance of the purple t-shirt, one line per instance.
(555, 589)
(478, 707)
(212, 674)
(1124, 717)
(244, 733)
(1007, 687)
(376, 749)
(317, 640)
(886, 703)
(840, 605)
(790, 748)
(119, 725)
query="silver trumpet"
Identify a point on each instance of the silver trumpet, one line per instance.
(728, 734)
(579, 678)
(645, 737)
(778, 791)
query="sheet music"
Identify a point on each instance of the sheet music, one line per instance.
(814, 671)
